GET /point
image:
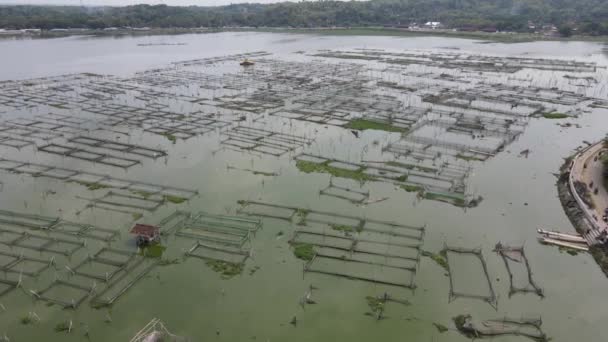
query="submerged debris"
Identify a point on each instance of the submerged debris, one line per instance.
(530, 328)
(438, 258)
(226, 269)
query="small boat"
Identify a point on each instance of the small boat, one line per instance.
(246, 62)
(576, 238)
(576, 246)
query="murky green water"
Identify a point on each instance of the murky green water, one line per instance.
(519, 197)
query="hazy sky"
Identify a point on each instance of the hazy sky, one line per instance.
(132, 2)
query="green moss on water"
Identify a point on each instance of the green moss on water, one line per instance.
(141, 193)
(137, 216)
(167, 262)
(440, 327)
(439, 258)
(92, 186)
(311, 167)
(363, 124)
(570, 251)
(226, 269)
(62, 326)
(411, 188)
(153, 251)
(344, 228)
(554, 115)
(375, 304)
(304, 251)
(300, 215)
(172, 138)
(401, 178)
(454, 199)
(175, 199)
(26, 320)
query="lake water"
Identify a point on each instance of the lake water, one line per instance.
(342, 78)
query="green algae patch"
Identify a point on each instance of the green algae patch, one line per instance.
(153, 251)
(439, 258)
(303, 251)
(311, 167)
(141, 193)
(411, 188)
(172, 138)
(63, 326)
(300, 215)
(26, 320)
(344, 228)
(226, 269)
(92, 186)
(175, 199)
(363, 124)
(375, 304)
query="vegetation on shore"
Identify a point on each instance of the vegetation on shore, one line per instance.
(574, 17)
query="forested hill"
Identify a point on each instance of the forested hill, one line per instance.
(589, 16)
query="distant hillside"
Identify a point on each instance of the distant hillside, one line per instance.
(589, 16)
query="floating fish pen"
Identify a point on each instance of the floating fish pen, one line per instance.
(117, 146)
(412, 177)
(125, 279)
(344, 251)
(105, 264)
(56, 225)
(27, 133)
(449, 60)
(458, 287)
(219, 229)
(89, 155)
(25, 265)
(64, 293)
(17, 143)
(133, 200)
(173, 222)
(90, 179)
(227, 254)
(516, 262)
(302, 216)
(345, 193)
(46, 125)
(50, 243)
(263, 141)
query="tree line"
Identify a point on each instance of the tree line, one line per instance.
(586, 16)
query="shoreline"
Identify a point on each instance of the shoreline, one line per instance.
(575, 213)
(340, 31)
